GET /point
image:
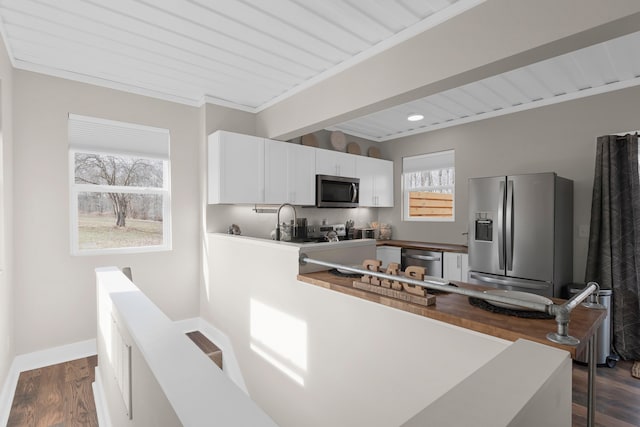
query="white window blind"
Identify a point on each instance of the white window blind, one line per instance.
(440, 160)
(105, 136)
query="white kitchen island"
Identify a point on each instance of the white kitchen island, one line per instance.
(314, 357)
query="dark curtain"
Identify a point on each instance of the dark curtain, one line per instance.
(614, 241)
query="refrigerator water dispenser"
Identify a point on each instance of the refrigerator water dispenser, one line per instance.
(484, 228)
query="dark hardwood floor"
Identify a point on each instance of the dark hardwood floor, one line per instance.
(61, 396)
(617, 396)
(56, 396)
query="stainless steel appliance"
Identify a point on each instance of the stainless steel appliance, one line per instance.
(521, 232)
(323, 233)
(364, 233)
(337, 191)
(431, 260)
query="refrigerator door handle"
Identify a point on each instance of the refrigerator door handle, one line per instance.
(508, 282)
(509, 225)
(501, 227)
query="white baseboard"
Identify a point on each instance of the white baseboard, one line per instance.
(230, 363)
(39, 359)
(102, 408)
(7, 392)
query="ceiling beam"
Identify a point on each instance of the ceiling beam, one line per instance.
(492, 38)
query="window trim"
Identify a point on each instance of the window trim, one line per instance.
(75, 189)
(405, 193)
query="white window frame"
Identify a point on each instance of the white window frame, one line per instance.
(76, 188)
(405, 191)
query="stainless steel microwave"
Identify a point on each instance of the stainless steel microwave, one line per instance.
(337, 191)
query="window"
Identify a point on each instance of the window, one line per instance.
(428, 187)
(120, 181)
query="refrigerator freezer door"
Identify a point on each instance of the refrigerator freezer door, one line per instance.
(502, 282)
(486, 220)
(529, 226)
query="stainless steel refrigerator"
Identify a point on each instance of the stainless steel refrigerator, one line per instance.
(521, 232)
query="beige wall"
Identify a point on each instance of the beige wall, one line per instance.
(7, 348)
(558, 138)
(54, 291)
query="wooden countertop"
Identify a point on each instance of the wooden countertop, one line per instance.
(456, 310)
(427, 246)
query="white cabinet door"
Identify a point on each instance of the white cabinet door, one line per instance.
(301, 174)
(335, 163)
(464, 264)
(383, 184)
(236, 168)
(388, 254)
(366, 171)
(456, 266)
(289, 173)
(376, 181)
(275, 172)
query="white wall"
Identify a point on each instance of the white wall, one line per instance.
(7, 348)
(560, 138)
(54, 291)
(342, 361)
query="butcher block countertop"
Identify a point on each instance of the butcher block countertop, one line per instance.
(426, 246)
(456, 310)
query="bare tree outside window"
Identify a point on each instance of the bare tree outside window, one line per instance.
(129, 216)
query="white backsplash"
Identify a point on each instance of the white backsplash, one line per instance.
(252, 224)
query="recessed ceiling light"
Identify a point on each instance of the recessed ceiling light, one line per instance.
(414, 117)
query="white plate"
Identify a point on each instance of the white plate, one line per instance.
(343, 271)
(525, 296)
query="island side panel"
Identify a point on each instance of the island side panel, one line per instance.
(333, 359)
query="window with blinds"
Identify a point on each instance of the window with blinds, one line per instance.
(120, 187)
(428, 187)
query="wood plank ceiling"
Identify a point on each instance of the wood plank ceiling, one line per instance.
(246, 54)
(608, 66)
(250, 54)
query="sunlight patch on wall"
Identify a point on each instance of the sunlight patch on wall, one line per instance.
(280, 339)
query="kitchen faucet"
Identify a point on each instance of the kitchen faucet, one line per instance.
(295, 220)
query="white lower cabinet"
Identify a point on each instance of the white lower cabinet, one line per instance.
(388, 254)
(456, 266)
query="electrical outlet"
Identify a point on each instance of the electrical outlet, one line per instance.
(583, 231)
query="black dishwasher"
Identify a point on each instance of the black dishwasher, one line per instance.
(431, 260)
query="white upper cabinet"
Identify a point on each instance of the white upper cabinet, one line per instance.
(289, 173)
(245, 169)
(236, 168)
(376, 181)
(335, 163)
